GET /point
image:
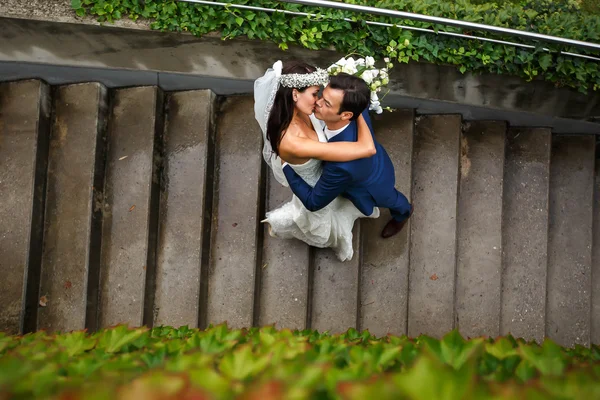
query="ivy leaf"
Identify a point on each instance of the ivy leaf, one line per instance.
(76, 343)
(501, 348)
(239, 20)
(242, 364)
(76, 4)
(548, 359)
(113, 340)
(545, 61)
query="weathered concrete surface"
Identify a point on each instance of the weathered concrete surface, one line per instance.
(131, 184)
(27, 41)
(188, 156)
(75, 145)
(335, 288)
(24, 132)
(570, 240)
(525, 233)
(479, 257)
(236, 243)
(595, 328)
(285, 271)
(385, 262)
(436, 160)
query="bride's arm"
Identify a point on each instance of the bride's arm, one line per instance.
(337, 151)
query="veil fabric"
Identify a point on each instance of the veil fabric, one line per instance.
(265, 90)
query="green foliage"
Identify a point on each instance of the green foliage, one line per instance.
(329, 30)
(163, 362)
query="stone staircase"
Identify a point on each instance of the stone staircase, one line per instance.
(142, 207)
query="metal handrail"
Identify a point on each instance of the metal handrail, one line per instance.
(443, 33)
(445, 21)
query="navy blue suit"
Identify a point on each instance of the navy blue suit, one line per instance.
(367, 182)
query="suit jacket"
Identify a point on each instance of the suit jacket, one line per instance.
(367, 182)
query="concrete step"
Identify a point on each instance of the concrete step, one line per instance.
(436, 160)
(568, 296)
(185, 207)
(238, 204)
(285, 272)
(525, 232)
(385, 262)
(24, 135)
(479, 254)
(130, 206)
(595, 309)
(71, 257)
(335, 289)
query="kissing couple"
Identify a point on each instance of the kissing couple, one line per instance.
(324, 149)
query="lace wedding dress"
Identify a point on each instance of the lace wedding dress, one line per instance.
(329, 227)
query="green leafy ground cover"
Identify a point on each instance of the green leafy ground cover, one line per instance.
(219, 363)
(565, 18)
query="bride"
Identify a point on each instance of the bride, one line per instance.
(284, 101)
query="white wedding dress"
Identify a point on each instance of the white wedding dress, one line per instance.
(329, 227)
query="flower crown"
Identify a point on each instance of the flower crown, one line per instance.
(319, 77)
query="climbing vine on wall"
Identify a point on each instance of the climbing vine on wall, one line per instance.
(329, 30)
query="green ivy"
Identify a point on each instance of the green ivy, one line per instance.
(329, 30)
(264, 363)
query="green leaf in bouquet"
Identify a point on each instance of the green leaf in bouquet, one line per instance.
(75, 343)
(431, 379)
(208, 379)
(501, 348)
(115, 339)
(548, 359)
(242, 364)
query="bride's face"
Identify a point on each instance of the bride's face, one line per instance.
(305, 100)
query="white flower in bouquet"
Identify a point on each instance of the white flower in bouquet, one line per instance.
(365, 69)
(368, 76)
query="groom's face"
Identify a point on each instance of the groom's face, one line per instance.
(328, 106)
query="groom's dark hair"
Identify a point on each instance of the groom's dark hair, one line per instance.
(356, 93)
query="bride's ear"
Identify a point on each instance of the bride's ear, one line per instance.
(295, 93)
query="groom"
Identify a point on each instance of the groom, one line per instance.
(367, 182)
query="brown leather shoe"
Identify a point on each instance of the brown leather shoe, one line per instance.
(393, 227)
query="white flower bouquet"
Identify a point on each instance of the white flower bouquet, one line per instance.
(364, 68)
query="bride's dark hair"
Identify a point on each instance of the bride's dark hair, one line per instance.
(283, 106)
